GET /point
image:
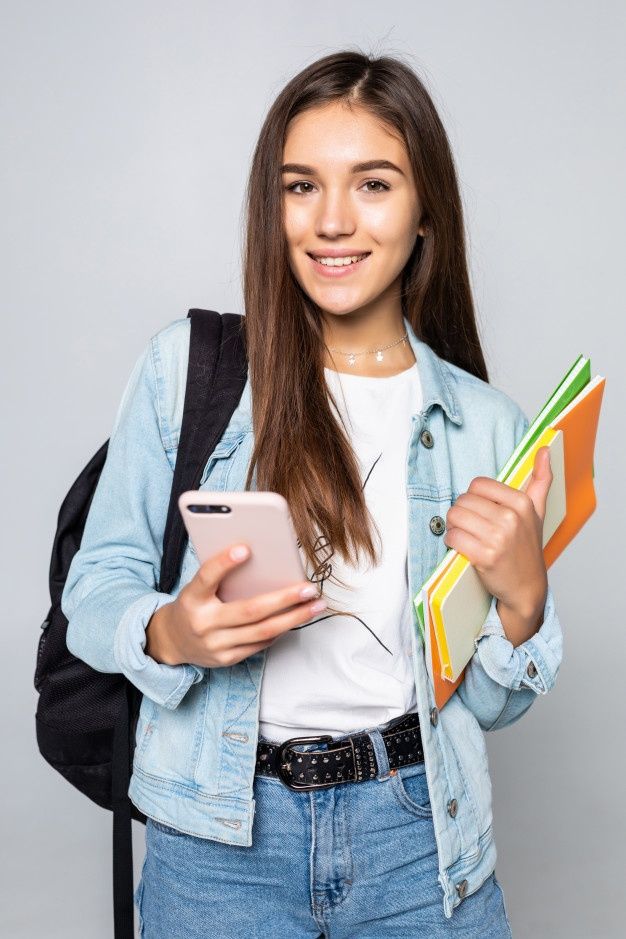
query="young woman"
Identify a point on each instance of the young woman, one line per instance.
(368, 407)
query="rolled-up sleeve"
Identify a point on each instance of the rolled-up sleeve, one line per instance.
(502, 680)
(533, 664)
(165, 684)
(111, 588)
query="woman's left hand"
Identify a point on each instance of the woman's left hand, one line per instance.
(500, 531)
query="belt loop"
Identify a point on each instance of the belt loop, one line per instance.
(382, 758)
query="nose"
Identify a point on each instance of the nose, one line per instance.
(335, 216)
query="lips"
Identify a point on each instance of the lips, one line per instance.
(336, 254)
(341, 270)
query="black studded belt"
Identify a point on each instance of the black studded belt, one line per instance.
(347, 759)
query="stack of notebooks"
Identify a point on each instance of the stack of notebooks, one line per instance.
(452, 605)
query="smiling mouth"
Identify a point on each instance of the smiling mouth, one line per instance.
(339, 262)
(335, 267)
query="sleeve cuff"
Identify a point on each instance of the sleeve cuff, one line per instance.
(533, 664)
(164, 684)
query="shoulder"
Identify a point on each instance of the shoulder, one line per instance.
(169, 351)
(170, 345)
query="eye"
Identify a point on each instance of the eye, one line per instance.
(292, 188)
(377, 182)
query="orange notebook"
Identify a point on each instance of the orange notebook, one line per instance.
(579, 423)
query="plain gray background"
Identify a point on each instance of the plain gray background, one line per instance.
(127, 131)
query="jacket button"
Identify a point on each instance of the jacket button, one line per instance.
(437, 525)
(531, 671)
(452, 807)
(461, 889)
(434, 716)
(427, 438)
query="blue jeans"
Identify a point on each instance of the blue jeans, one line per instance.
(354, 860)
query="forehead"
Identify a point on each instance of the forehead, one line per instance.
(334, 135)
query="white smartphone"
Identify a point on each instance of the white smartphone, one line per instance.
(215, 520)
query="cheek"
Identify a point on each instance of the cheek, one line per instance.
(393, 226)
(296, 224)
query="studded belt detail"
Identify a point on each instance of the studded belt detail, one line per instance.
(348, 759)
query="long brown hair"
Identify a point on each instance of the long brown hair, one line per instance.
(300, 449)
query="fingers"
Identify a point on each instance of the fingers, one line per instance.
(259, 607)
(498, 492)
(486, 508)
(268, 629)
(239, 653)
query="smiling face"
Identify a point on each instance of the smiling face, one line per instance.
(336, 205)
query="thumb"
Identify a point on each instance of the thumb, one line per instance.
(540, 481)
(208, 576)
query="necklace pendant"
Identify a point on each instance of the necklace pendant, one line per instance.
(379, 356)
(351, 359)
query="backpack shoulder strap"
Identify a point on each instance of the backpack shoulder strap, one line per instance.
(216, 377)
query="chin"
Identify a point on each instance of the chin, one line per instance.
(331, 302)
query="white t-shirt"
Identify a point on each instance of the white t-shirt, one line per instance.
(333, 676)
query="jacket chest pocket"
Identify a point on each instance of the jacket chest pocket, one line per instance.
(428, 512)
(217, 471)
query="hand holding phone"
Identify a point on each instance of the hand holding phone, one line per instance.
(199, 628)
(202, 628)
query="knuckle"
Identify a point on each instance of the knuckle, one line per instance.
(250, 609)
(196, 626)
(510, 517)
(207, 570)
(525, 504)
(499, 542)
(265, 630)
(185, 601)
(224, 657)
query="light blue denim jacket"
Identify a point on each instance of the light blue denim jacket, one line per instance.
(197, 731)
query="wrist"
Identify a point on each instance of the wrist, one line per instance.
(519, 625)
(159, 644)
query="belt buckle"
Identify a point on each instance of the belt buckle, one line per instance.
(280, 765)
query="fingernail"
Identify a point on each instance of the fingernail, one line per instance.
(318, 605)
(307, 592)
(239, 552)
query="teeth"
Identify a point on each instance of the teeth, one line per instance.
(340, 262)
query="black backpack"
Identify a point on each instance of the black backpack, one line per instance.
(86, 720)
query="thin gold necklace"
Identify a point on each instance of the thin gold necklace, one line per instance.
(353, 356)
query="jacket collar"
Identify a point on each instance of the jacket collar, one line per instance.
(434, 377)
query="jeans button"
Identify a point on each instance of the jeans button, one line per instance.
(452, 807)
(434, 716)
(437, 525)
(531, 671)
(461, 889)
(427, 438)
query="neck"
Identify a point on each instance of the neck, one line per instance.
(358, 332)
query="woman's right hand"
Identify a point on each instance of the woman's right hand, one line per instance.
(200, 629)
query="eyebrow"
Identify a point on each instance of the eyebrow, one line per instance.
(357, 168)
